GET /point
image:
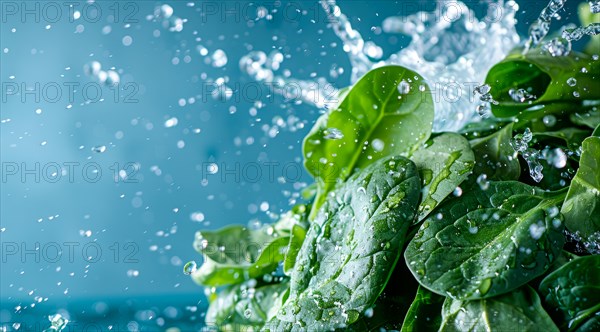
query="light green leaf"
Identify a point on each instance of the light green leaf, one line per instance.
(582, 205)
(388, 112)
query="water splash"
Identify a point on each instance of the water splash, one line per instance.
(57, 323)
(450, 47)
(520, 143)
(539, 29)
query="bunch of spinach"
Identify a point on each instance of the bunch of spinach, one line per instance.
(488, 246)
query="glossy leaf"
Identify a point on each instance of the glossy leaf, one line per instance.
(544, 77)
(518, 311)
(388, 112)
(582, 205)
(424, 313)
(494, 156)
(443, 163)
(573, 292)
(487, 242)
(244, 307)
(351, 248)
(296, 239)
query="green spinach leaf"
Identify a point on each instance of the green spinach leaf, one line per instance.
(235, 254)
(443, 163)
(545, 78)
(591, 118)
(351, 248)
(573, 291)
(487, 242)
(494, 156)
(245, 307)
(582, 205)
(424, 313)
(388, 112)
(518, 311)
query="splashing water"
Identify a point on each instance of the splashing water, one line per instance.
(450, 47)
(539, 29)
(57, 323)
(520, 143)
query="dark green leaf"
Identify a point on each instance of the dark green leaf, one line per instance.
(376, 120)
(591, 118)
(424, 313)
(573, 291)
(582, 205)
(518, 311)
(494, 156)
(487, 242)
(351, 248)
(544, 77)
(443, 163)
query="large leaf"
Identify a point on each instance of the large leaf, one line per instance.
(494, 156)
(244, 307)
(573, 292)
(487, 242)
(351, 248)
(544, 77)
(443, 163)
(518, 311)
(388, 112)
(424, 313)
(591, 118)
(582, 205)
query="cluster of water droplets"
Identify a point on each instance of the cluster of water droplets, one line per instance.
(94, 70)
(164, 14)
(484, 108)
(57, 323)
(448, 47)
(520, 143)
(561, 45)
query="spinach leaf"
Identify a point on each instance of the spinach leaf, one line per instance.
(582, 205)
(544, 77)
(487, 242)
(296, 239)
(443, 163)
(494, 156)
(570, 137)
(236, 253)
(573, 292)
(518, 311)
(586, 17)
(245, 307)
(591, 118)
(351, 248)
(424, 313)
(388, 112)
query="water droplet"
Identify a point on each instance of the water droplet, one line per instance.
(99, 149)
(549, 120)
(483, 182)
(189, 268)
(219, 58)
(333, 133)
(572, 81)
(520, 95)
(172, 122)
(378, 145)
